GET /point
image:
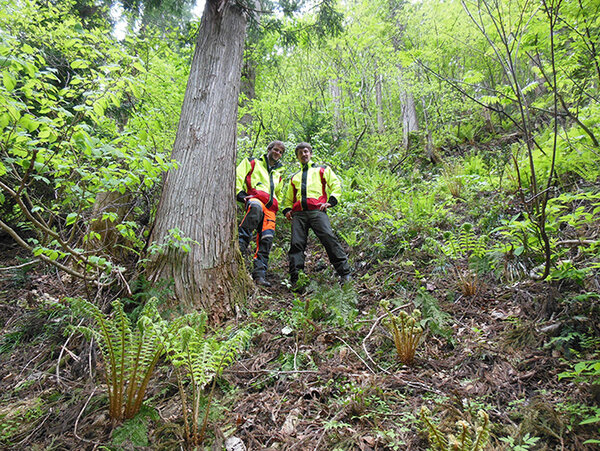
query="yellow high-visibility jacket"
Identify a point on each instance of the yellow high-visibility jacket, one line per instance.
(255, 178)
(311, 187)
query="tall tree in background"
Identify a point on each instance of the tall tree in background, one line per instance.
(197, 198)
(197, 203)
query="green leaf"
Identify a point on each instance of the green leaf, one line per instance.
(71, 218)
(29, 123)
(4, 119)
(473, 77)
(26, 48)
(98, 109)
(489, 100)
(79, 64)
(138, 65)
(147, 164)
(591, 420)
(44, 133)
(9, 81)
(135, 89)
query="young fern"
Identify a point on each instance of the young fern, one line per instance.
(464, 440)
(129, 355)
(406, 330)
(465, 244)
(453, 177)
(200, 359)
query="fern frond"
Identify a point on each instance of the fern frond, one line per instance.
(464, 244)
(129, 355)
(483, 432)
(200, 358)
(203, 365)
(406, 331)
(465, 440)
(227, 352)
(436, 438)
(464, 437)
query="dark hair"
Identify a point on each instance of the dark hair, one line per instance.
(303, 145)
(276, 143)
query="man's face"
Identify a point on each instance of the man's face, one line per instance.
(304, 155)
(275, 154)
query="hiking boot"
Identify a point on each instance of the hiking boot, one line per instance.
(294, 288)
(260, 280)
(345, 279)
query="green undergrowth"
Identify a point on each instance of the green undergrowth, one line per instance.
(451, 242)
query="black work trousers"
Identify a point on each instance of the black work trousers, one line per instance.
(318, 221)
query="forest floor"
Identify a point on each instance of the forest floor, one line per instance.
(312, 378)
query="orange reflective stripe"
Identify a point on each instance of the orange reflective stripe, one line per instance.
(268, 215)
(268, 219)
(268, 225)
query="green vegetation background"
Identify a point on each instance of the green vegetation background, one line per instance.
(494, 185)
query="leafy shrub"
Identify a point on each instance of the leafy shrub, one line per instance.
(587, 371)
(525, 443)
(64, 148)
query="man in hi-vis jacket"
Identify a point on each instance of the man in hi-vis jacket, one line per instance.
(258, 185)
(311, 191)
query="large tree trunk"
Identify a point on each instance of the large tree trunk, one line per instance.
(248, 89)
(410, 122)
(336, 99)
(198, 198)
(379, 102)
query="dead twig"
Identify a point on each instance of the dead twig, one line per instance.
(60, 355)
(273, 372)
(10, 268)
(79, 416)
(364, 346)
(356, 354)
(37, 428)
(296, 355)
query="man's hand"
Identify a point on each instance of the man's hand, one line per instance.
(288, 215)
(324, 206)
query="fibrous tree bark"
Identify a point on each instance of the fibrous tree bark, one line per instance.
(198, 197)
(410, 122)
(336, 98)
(379, 102)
